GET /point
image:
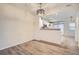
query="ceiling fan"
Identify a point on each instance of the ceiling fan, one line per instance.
(40, 11)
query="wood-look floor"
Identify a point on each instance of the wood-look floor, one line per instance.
(35, 47)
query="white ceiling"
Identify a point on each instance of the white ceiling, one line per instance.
(55, 11)
(50, 8)
(61, 12)
(54, 7)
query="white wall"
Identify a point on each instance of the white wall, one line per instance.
(77, 30)
(53, 36)
(16, 25)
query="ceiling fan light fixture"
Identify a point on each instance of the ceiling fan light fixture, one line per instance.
(40, 11)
